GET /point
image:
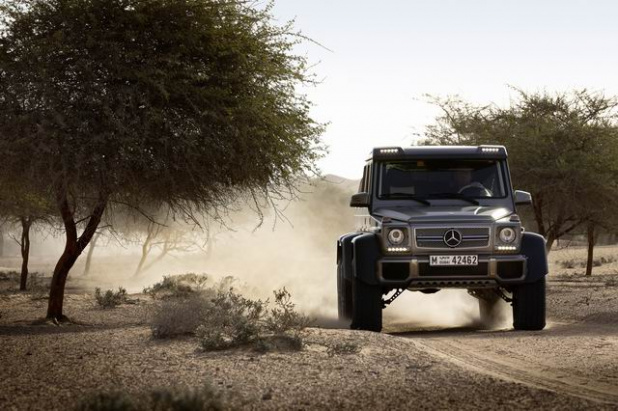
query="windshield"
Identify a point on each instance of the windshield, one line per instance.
(465, 179)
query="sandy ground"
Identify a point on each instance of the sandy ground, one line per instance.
(573, 364)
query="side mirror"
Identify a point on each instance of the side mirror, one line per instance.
(522, 197)
(360, 200)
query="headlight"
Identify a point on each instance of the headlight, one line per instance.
(396, 236)
(507, 235)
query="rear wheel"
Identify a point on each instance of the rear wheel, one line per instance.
(366, 306)
(344, 296)
(529, 306)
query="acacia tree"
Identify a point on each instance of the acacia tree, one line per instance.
(187, 103)
(561, 147)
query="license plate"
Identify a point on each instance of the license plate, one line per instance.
(453, 260)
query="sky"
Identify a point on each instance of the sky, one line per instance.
(381, 59)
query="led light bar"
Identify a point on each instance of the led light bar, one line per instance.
(506, 248)
(389, 151)
(490, 149)
(398, 249)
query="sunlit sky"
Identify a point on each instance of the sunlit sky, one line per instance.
(383, 57)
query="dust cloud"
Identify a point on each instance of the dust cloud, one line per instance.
(298, 254)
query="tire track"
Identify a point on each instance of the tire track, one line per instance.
(529, 374)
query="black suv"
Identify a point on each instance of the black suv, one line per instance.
(437, 217)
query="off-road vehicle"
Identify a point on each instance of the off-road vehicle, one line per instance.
(436, 217)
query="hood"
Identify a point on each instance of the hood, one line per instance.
(441, 214)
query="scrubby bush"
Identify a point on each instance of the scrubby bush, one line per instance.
(344, 348)
(221, 318)
(38, 286)
(283, 318)
(115, 401)
(177, 286)
(581, 263)
(167, 399)
(110, 299)
(179, 316)
(232, 320)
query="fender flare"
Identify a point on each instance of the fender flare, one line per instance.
(533, 247)
(366, 249)
(345, 251)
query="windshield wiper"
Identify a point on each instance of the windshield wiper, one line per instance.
(408, 195)
(458, 196)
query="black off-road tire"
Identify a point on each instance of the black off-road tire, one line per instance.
(344, 296)
(490, 310)
(529, 306)
(366, 307)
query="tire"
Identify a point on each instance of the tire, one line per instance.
(344, 296)
(490, 310)
(529, 306)
(366, 307)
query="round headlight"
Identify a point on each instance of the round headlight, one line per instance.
(396, 236)
(507, 235)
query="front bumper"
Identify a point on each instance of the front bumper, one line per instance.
(414, 272)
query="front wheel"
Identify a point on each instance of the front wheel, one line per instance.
(366, 306)
(529, 306)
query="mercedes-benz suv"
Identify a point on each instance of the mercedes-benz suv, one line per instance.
(435, 217)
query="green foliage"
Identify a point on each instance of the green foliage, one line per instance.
(110, 298)
(152, 100)
(562, 148)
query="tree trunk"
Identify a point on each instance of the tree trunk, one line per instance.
(550, 242)
(146, 248)
(591, 243)
(24, 245)
(73, 248)
(93, 244)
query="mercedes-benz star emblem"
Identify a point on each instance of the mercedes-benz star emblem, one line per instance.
(452, 238)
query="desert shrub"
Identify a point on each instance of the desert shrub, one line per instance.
(174, 317)
(110, 299)
(344, 348)
(167, 399)
(283, 318)
(177, 286)
(115, 401)
(231, 321)
(37, 286)
(581, 263)
(206, 398)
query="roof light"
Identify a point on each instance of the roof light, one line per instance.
(490, 149)
(389, 151)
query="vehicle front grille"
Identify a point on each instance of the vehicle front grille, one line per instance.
(433, 238)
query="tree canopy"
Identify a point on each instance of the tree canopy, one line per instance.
(562, 147)
(183, 102)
